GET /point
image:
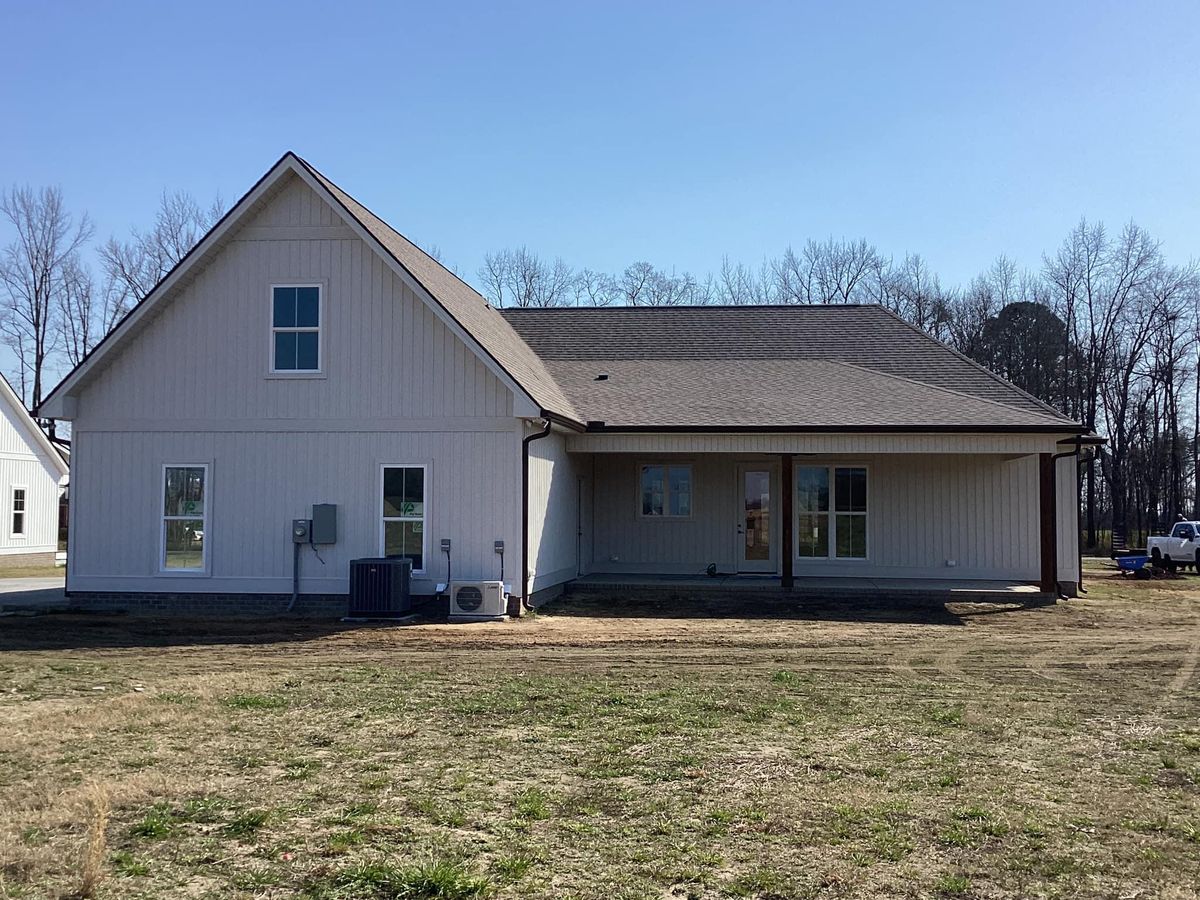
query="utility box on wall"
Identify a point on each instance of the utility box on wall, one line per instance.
(324, 523)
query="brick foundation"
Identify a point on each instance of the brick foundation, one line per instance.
(25, 560)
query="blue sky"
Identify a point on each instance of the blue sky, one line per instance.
(611, 132)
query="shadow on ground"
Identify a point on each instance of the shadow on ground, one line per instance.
(73, 630)
(79, 631)
(914, 611)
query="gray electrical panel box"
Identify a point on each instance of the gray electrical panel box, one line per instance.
(324, 523)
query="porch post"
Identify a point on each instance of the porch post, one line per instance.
(1048, 496)
(785, 548)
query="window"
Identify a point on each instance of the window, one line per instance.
(296, 328)
(18, 512)
(812, 506)
(403, 525)
(1182, 530)
(850, 503)
(666, 491)
(185, 518)
(831, 522)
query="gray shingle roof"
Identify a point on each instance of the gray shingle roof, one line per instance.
(803, 367)
(808, 367)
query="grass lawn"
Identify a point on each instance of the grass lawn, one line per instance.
(593, 752)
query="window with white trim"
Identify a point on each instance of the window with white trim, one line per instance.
(18, 511)
(184, 536)
(402, 531)
(831, 512)
(295, 328)
(666, 491)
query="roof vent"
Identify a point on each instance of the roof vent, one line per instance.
(603, 376)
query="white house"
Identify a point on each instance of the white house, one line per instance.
(33, 475)
(305, 352)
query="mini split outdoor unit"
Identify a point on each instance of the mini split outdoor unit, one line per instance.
(477, 601)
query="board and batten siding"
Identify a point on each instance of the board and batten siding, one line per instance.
(260, 481)
(554, 550)
(397, 386)
(978, 510)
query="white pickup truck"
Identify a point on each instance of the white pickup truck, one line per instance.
(1179, 548)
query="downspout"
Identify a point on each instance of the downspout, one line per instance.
(1079, 537)
(525, 442)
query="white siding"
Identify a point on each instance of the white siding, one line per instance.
(259, 482)
(553, 513)
(978, 510)
(398, 387)
(26, 465)
(205, 358)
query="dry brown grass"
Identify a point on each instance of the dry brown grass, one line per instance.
(92, 866)
(619, 752)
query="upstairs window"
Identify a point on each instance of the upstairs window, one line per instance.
(296, 328)
(18, 512)
(666, 491)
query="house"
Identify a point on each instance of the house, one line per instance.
(305, 352)
(33, 477)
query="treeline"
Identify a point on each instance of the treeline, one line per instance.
(1106, 328)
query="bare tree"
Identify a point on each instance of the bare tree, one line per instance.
(520, 278)
(592, 288)
(828, 272)
(918, 296)
(641, 284)
(34, 272)
(739, 285)
(133, 267)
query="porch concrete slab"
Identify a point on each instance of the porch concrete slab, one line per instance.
(950, 590)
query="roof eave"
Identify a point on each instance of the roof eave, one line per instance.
(1049, 428)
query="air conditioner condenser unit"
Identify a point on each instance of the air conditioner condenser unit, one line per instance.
(477, 601)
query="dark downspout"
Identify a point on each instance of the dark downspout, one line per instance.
(1079, 540)
(525, 442)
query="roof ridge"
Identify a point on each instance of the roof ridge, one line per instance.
(554, 400)
(619, 307)
(1058, 417)
(395, 231)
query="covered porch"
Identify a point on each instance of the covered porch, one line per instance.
(954, 518)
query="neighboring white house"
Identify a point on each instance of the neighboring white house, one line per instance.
(305, 352)
(33, 475)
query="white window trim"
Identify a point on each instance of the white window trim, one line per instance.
(425, 507)
(319, 371)
(23, 534)
(831, 556)
(666, 516)
(205, 518)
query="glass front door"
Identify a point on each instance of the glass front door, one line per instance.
(756, 528)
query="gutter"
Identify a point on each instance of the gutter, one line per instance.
(525, 442)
